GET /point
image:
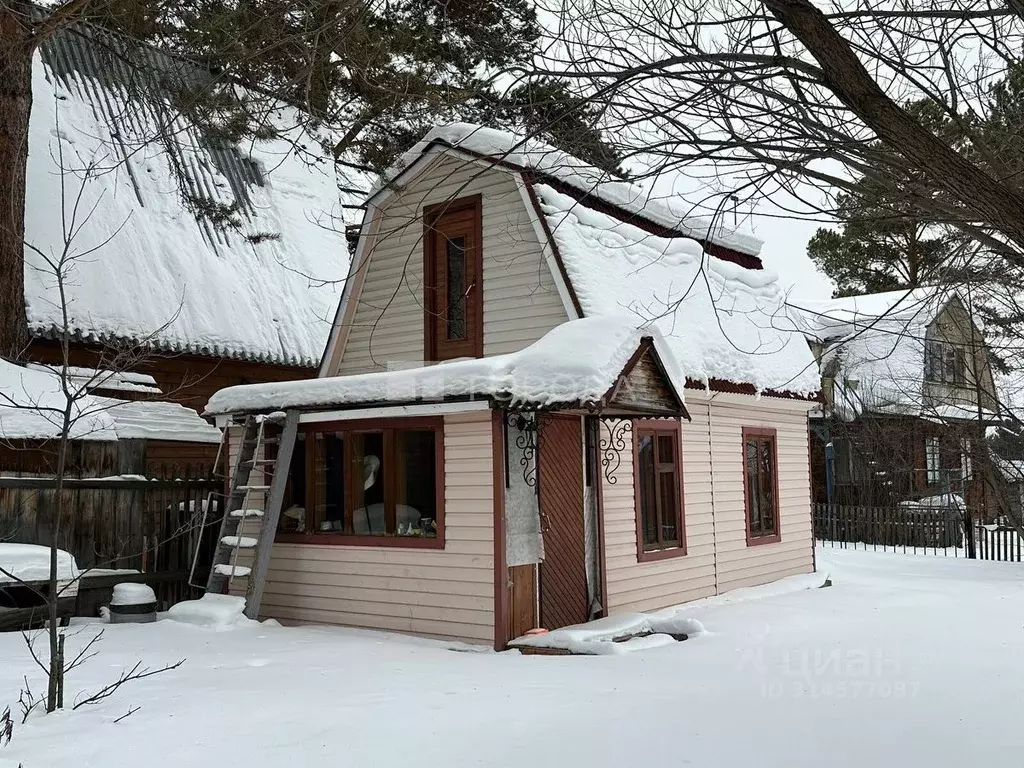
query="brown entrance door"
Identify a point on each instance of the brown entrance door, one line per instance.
(563, 578)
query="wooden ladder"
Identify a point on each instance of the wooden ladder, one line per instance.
(242, 514)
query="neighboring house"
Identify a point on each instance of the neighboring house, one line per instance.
(909, 391)
(214, 260)
(547, 397)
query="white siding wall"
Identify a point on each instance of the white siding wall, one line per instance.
(714, 510)
(520, 300)
(444, 593)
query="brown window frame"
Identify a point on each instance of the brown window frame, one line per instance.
(656, 428)
(388, 427)
(770, 436)
(453, 213)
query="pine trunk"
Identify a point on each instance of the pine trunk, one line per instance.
(15, 107)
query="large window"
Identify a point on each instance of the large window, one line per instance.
(367, 483)
(761, 489)
(659, 500)
(453, 299)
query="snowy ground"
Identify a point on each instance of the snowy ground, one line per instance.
(909, 661)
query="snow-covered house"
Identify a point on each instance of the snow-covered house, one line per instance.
(547, 396)
(908, 388)
(221, 258)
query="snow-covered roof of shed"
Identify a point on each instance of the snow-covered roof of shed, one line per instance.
(669, 211)
(32, 405)
(32, 402)
(104, 139)
(576, 362)
(721, 320)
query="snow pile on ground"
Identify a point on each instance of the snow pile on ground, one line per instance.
(869, 672)
(666, 210)
(721, 320)
(31, 562)
(145, 266)
(211, 610)
(616, 634)
(578, 361)
(128, 593)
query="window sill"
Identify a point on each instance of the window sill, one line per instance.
(653, 555)
(348, 540)
(756, 541)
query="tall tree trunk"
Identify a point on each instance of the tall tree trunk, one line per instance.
(15, 107)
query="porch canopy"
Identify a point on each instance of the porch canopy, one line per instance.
(601, 365)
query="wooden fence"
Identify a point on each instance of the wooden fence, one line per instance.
(147, 524)
(921, 530)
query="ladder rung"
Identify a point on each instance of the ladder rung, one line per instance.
(240, 542)
(252, 488)
(261, 461)
(246, 513)
(225, 569)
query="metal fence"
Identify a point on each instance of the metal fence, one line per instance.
(152, 525)
(915, 529)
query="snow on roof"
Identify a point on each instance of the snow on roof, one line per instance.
(31, 562)
(32, 404)
(721, 321)
(875, 351)
(110, 381)
(669, 211)
(576, 362)
(159, 420)
(832, 318)
(105, 142)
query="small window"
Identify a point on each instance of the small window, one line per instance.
(944, 363)
(658, 494)
(966, 459)
(371, 486)
(453, 295)
(932, 460)
(761, 486)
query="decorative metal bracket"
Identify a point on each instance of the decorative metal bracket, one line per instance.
(527, 441)
(612, 444)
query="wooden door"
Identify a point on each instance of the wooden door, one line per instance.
(563, 577)
(522, 600)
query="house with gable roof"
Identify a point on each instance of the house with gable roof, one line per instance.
(547, 397)
(909, 392)
(197, 261)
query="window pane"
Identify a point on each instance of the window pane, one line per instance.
(766, 479)
(648, 498)
(753, 489)
(669, 534)
(666, 449)
(326, 500)
(366, 483)
(455, 264)
(415, 483)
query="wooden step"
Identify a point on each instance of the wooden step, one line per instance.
(247, 513)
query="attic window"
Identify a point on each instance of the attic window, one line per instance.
(944, 363)
(453, 266)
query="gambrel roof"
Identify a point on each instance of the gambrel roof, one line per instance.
(141, 185)
(621, 251)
